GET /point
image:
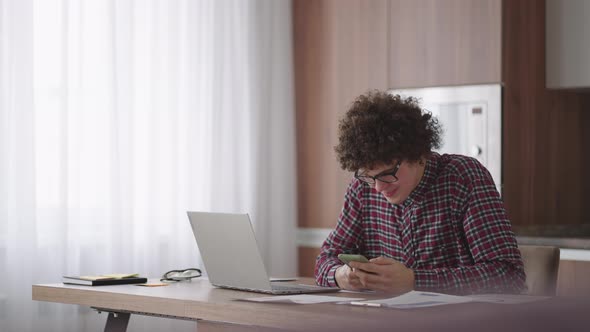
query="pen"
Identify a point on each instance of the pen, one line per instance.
(366, 304)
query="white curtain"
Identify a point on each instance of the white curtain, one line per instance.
(116, 117)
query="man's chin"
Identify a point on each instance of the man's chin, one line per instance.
(393, 200)
(396, 199)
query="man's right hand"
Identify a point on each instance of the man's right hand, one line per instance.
(347, 278)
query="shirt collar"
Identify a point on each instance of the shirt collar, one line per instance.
(417, 195)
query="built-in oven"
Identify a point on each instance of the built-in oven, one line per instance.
(471, 117)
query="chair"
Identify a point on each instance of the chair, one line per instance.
(541, 264)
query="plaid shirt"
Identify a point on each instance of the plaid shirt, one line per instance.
(452, 231)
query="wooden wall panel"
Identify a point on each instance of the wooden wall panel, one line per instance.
(340, 52)
(545, 137)
(307, 258)
(444, 42)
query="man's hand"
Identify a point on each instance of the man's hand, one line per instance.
(347, 278)
(384, 274)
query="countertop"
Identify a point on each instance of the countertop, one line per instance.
(561, 242)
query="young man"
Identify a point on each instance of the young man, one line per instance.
(426, 221)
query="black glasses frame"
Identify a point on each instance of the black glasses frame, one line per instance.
(372, 180)
(169, 276)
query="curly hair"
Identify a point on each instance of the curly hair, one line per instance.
(380, 127)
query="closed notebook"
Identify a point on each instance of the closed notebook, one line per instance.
(103, 280)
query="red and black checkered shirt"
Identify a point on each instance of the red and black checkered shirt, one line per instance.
(452, 230)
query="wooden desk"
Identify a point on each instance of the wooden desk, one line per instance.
(217, 309)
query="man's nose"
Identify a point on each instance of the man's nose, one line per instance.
(380, 185)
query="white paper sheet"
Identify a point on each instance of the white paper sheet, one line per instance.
(363, 291)
(301, 299)
(507, 298)
(415, 299)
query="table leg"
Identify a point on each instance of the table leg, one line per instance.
(117, 322)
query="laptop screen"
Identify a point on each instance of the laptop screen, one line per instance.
(229, 250)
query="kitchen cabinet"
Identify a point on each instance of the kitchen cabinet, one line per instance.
(448, 42)
(567, 43)
(572, 278)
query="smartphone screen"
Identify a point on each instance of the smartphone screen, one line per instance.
(347, 258)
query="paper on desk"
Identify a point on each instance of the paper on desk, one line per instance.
(507, 298)
(301, 299)
(365, 291)
(415, 299)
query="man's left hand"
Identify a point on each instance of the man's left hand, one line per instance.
(384, 274)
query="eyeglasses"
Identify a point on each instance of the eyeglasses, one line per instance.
(181, 275)
(387, 177)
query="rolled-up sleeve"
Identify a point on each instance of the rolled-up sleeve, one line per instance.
(345, 238)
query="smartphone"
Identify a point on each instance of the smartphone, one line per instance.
(347, 258)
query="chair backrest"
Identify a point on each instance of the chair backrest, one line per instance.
(541, 264)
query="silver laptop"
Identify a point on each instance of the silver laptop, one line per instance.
(231, 256)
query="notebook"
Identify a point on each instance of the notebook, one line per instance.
(231, 257)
